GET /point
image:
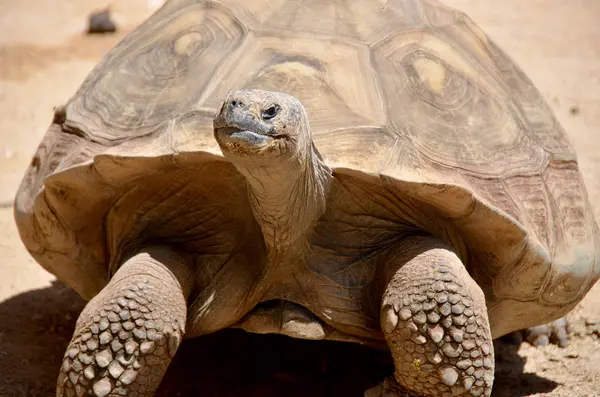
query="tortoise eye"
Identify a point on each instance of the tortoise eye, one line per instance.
(270, 112)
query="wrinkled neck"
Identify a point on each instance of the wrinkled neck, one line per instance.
(288, 198)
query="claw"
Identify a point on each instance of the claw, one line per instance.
(389, 319)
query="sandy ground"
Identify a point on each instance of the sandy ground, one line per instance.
(43, 59)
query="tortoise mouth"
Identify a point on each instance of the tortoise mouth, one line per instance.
(235, 138)
(246, 142)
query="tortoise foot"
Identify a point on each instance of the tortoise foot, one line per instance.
(126, 336)
(556, 332)
(434, 319)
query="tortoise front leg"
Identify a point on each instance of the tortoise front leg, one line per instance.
(127, 335)
(434, 319)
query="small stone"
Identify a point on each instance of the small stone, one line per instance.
(122, 302)
(115, 370)
(404, 313)
(94, 328)
(85, 336)
(448, 375)
(452, 287)
(433, 317)
(135, 314)
(445, 309)
(470, 371)
(439, 286)
(103, 324)
(128, 377)
(133, 304)
(468, 312)
(123, 335)
(139, 322)
(420, 318)
(104, 358)
(459, 320)
(105, 337)
(436, 333)
(478, 363)
(102, 387)
(475, 354)
(89, 373)
(130, 347)
(124, 315)
(471, 328)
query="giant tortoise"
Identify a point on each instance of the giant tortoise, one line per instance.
(376, 172)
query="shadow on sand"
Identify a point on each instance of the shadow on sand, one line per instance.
(36, 326)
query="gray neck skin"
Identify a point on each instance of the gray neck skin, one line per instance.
(287, 197)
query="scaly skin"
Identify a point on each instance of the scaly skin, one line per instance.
(127, 335)
(434, 319)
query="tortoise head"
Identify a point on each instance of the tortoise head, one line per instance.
(262, 124)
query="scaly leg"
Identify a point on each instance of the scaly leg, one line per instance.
(434, 318)
(127, 335)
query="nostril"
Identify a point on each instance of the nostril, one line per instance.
(236, 103)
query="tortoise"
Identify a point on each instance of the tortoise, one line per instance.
(370, 172)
